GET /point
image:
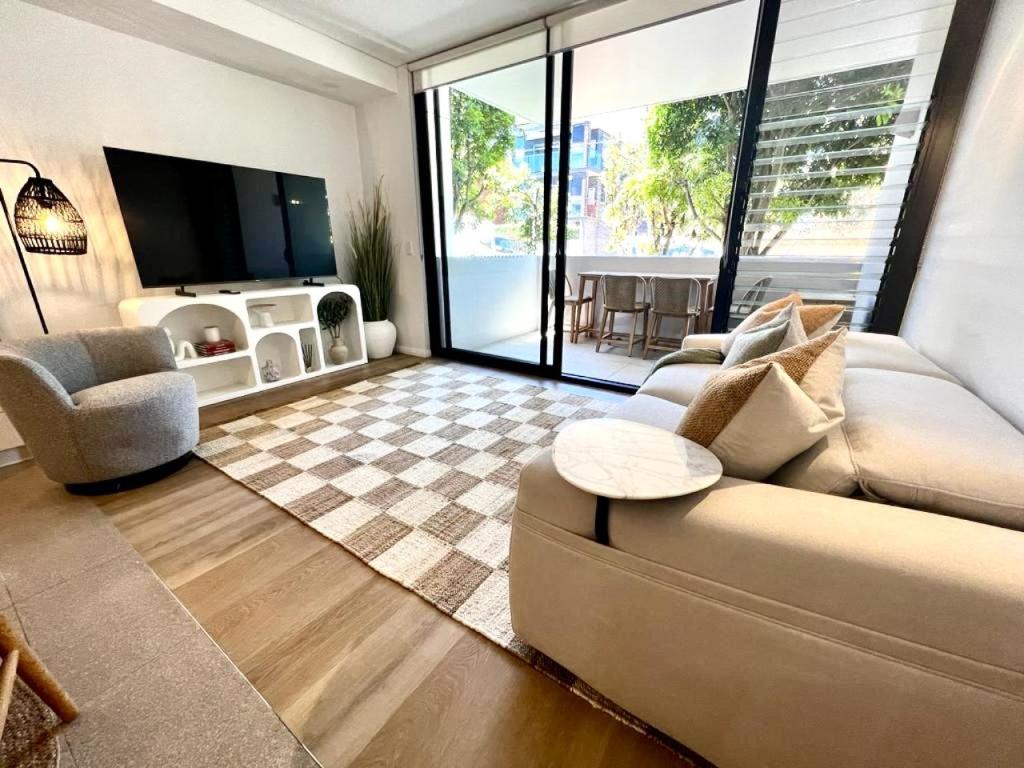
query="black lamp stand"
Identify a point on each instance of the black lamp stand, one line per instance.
(17, 244)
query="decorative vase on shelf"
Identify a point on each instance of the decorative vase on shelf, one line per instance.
(338, 352)
(270, 372)
(380, 338)
(332, 311)
(211, 333)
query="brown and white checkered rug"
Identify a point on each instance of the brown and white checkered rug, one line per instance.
(415, 472)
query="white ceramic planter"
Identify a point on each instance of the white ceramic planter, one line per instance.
(380, 338)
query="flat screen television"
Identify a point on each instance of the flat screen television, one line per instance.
(191, 222)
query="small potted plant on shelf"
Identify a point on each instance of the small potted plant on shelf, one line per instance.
(371, 269)
(332, 312)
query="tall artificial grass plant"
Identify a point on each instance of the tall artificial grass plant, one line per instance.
(372, 255)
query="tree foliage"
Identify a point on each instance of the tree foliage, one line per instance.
(692, 147)
(481, 138)
(643, 196)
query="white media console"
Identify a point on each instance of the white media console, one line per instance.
(222, 377)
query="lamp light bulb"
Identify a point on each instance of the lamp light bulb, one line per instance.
(51, 224)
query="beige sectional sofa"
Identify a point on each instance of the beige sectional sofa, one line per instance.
(863, 608)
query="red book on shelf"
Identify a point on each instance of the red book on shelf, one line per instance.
(210, 348)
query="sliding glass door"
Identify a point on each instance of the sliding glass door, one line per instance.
(492, 211)
(656, 120)
(548, 176)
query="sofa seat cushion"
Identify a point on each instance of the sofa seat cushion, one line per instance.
(678, 383)
(653, 411)
(902, 583)
(891, 353)
(927, 443)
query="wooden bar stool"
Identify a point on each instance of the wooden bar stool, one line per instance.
(20, 661)
(678, 297)
(619, 295)
(707, 307)
(575, 304)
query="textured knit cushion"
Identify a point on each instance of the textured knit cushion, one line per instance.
(782, 331)
(819, 319)
(817, 366)
(759, 316)
(754, 419)
(759, 415)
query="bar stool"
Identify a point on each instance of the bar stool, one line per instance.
(619, 295)
(575, 304)
(672, 297)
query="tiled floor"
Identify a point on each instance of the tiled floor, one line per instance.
(581, 359)
(153, 689)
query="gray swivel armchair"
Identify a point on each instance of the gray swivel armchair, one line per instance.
(101, 409)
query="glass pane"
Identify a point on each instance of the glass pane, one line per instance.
(492, 158)
(656, 119)
(848, 92)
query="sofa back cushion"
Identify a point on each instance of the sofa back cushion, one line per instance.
(927, 443)
(891, 353)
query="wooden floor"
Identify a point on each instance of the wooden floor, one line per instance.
(363, 671)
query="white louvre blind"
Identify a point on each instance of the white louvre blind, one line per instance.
(848, 95)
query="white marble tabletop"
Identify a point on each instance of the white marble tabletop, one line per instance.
(621, 459)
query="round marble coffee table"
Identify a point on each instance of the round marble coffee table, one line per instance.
(618, 459)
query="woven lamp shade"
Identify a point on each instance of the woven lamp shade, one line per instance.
(46, 220)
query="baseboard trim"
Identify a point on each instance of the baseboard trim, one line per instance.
(414, 351)
(15, 455)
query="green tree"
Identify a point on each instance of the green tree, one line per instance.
(695, 143)
(805, 163)
(515, 202)
(643, 196)
(481, 137)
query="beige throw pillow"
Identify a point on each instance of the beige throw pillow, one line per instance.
(759, 415)
(818, 367)
(781, 332)
(759, 316)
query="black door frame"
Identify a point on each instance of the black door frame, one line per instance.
(753, 109)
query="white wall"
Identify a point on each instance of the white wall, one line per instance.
(387, 146)
(966, 311)
(68, 88)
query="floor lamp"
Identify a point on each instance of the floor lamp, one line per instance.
(46, 222)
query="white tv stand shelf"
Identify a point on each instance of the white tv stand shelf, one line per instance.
(223, 377)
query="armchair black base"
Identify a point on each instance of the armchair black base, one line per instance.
(128, 482)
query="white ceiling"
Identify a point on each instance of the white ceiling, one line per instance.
(400, 31)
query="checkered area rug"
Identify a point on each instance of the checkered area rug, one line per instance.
(415, 472)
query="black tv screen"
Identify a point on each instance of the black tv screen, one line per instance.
(192, 222)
